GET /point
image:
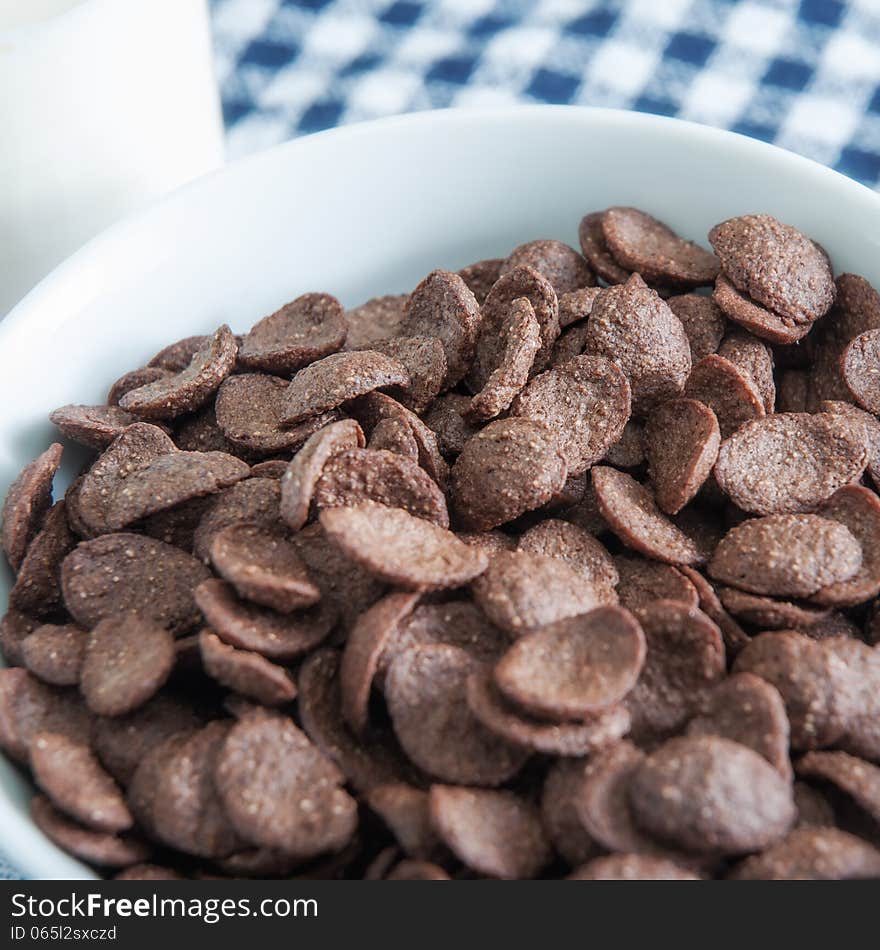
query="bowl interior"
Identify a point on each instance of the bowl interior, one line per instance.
(363, 211)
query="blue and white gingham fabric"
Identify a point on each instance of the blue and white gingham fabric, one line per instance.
(804, 74)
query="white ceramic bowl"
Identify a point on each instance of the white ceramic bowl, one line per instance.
(366, 210)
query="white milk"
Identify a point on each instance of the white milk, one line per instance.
(104, 104)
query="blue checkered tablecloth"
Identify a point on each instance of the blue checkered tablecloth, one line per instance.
(804, 74)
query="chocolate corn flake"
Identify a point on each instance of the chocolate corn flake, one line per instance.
(559, 815)
(448, 419)
(574, 668)
(854, 777)
(127, 659)
(643, 581)
(703, 323)
(248, 409)
(190, 388)
(280, 791)
(859, 369)
(508, 468)
(707, 794)
(263, 567)
(27, 501)
(54, 653)
(755, 358)
(812, 854)
(790, 462)
(394, 435)
(245, 672)
(101, 848)
(641, 243)
(512, 723)
(776, 265)
(255, 500)
(134, 380)
(492, 832)
(366, 762)
(37, 587)
(377, 319)
(682, 439)
(304, 472)
(505, 361)
(376, 407)
(178, 355)
(248, 626)
(595, 250)
(575, 546)
(771, 613)
(525, 282)
(727, 390)
(521, 591)
(751, 316)
(576, 305)
(92, 426)
(363, 652)
(601, 801)
(426, 693)
(632, 867)
(120, 742)
(29, 707)
(458, 623)
(443, 306)
(858, 510)
(356, 476)
(132, 574)
(334, 380)
(185, 810)
(786, 555)
(481, 275)
(401, 549)
(74, 780)
(685, 658)
(631, 511)
(812, 680)
(750, 711)
(404, 810)
(143, 472)
(632, 326)
(566, 270)
(306, 329)
(585, 403)
(417, 871)
(424, 359)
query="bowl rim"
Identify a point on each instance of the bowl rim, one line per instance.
(63, 278)
(23, 845)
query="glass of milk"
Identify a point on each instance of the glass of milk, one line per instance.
(104, 104)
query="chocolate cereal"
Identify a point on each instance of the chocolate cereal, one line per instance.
(263, 567)
(790, 462)
(302, 331)
(27, 501)
(442, 306)
(334, 380)
(426, 693)
(682, 439)
(641, 243)
(633, 327)
(188, 389)
(566, 270)
(574, 668)
(556, 567)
